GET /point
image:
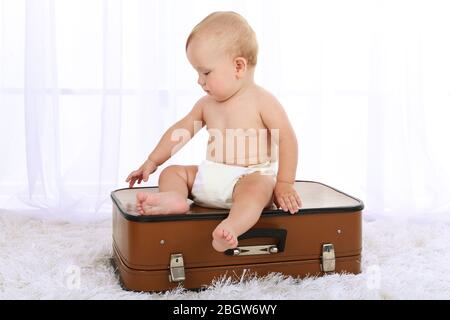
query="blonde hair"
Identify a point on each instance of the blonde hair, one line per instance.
(232, 32)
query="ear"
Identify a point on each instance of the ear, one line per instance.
(240, 66)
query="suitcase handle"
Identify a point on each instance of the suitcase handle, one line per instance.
(279, 234)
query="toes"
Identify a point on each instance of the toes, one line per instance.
(217, 233)
(224, 233)
(223, 240)
(141, 197)
(229, 238)
(226, 236)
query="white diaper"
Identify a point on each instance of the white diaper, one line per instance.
(214, 183)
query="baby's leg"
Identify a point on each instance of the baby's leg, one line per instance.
(175, 184)
(251, 195)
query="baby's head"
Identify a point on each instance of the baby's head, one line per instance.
(230, 33)
(223, 49)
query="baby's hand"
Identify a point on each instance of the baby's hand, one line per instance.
(147, 168)
(286, 197)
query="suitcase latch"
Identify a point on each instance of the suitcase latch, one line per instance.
(252, 250)
(328, 258)
(176, 268)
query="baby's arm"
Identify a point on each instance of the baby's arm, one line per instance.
(274, 117)
(185, 129)
(169, 143)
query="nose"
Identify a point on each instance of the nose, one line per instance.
(200, 81)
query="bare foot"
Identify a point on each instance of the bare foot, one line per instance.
(223, 240)
(169, 202)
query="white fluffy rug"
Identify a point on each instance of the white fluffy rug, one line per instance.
(50, 259)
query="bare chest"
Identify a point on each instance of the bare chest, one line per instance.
(237, 135)
(245, 116)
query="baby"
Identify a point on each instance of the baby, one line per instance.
(246, 176)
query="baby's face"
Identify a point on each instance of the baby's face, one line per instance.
(216, 71)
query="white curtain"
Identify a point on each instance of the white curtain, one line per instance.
(88, 87)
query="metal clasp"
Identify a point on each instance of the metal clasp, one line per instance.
(176, 268)
(328, 258)
(253, 250)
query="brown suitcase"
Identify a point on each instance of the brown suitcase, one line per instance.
(156, 253)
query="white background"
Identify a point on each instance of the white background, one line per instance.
(88, 87)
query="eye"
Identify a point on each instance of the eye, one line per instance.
(206, 73)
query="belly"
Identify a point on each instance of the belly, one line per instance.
(241, 147)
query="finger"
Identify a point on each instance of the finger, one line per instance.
(139, 181)
(289, 204)
(145, 175)
(282, 203)
(132, 183)
(294, 203)
(133, 174)
(299, 200)
(129, 177)
(285, 201)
